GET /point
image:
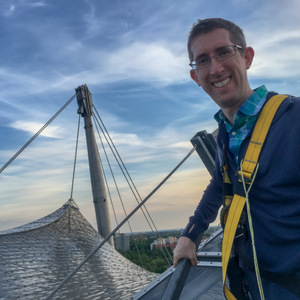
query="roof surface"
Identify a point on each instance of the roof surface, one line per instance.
(37, 257)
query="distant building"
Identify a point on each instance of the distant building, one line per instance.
(170, 242)
(121, 241)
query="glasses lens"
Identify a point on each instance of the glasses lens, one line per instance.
(200, 62)
(224, 52)
(193, 65)
(203, 61)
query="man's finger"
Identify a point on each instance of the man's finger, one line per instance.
(194, 261)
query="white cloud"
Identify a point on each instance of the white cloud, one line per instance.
(9, 10)
(149, 62)
(34, 127)
(127, 139)
(38, 4)
(140, 62)
(274, 59)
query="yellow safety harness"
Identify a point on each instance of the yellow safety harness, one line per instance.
(234, 204)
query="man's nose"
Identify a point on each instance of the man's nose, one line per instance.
(215, 67)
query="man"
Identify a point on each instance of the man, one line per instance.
(220, 59)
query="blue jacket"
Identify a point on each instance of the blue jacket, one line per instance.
(274, 198)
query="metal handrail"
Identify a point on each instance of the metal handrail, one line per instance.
(179, 276)
(205, 145)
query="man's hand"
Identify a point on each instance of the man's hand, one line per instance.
(185, 248)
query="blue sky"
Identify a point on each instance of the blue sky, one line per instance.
(132, 55)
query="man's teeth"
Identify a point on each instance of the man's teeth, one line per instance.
(221, 83)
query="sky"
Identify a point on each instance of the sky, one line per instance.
(132, 56)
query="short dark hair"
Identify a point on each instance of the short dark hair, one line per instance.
(207, 25)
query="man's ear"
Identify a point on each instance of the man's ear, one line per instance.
(194, 77)
(249, 55)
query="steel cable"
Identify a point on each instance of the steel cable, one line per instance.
(37, 134)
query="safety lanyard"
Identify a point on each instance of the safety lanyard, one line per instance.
(248, 168)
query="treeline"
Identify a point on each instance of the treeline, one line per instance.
(151, 260)
(154, 260)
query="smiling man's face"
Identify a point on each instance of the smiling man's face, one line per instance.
(224, 81)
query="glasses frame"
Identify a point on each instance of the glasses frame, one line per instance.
(193, 64)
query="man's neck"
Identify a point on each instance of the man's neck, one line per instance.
(229, 112)
(229, 115)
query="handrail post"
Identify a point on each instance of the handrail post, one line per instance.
(179, 276)
(206, 149)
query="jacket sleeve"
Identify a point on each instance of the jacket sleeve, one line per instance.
(207, 209)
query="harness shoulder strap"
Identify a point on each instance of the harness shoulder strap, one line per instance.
(249, 164)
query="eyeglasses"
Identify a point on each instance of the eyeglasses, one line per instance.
(223, 53)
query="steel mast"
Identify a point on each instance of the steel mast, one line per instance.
(85, 104)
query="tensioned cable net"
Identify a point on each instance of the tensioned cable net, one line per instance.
(61, 256)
